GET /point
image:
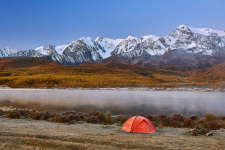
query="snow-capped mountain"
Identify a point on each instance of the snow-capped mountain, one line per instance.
(202, 41)
(8, 51)
(196, 40)
(193, 40)
(108, 45)
(82, 50)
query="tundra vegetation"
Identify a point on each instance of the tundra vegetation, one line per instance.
(209, 121)
(37, 73)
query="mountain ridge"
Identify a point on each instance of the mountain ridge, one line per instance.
(203, 41)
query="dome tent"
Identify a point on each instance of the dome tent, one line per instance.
(138, 124)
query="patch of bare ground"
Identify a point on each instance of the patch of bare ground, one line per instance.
(32, 134)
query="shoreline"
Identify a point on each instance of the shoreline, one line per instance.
(194, 89)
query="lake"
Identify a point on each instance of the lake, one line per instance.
(117, 101)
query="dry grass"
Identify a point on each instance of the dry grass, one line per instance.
(29, 134)
(47, 135)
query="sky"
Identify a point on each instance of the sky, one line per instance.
(27, 24)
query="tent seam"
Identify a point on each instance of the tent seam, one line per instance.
(138, 124)
(132, 123)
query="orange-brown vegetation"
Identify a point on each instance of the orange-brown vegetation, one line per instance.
(15, 63)
(36, 72)
(209, 121)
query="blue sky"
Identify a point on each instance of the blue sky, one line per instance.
(26, 24)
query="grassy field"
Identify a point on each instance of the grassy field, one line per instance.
(22, 134)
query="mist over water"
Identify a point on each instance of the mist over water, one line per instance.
(120, 101)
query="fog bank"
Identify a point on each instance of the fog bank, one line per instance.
(119, 101)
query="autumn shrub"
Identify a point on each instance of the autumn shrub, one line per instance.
(69, 112)
(199, 123)
(121, 119)
(92, 119)
(222, 125)
(189, 122)
(23, 112)
(176, 117)
(52, 114)
(34, 115)
(75, 117)
(176, 120)
(193, 117)
(60, 119)
(13, 114)
(108, 118)
(209, 117)
(101, 116)
(161, 116)
(2, 112)
(94, 113)
(83, 116)
(150, 117)
(38, 115)
(45, 115)
(65, 117)
(29, 112)
(164, 121)
(211, 125)
(160, 119)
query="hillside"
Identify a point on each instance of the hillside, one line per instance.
(34, 72)
(16, 63)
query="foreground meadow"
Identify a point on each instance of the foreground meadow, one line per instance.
(29, 129)
(31, 134)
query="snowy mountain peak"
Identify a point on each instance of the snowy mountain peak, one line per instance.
(108, 45)
(11, 49)
(39, 48)
(147, 37)
(131, 38)
(45, 50)
(8, 52)
(108, 41)
(202, 31)
(126, 45)
(87, 40)
(98, 39)
(182, 27)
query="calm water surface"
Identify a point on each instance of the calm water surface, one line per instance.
(123, 101)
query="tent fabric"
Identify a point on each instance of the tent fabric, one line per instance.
(138, 124)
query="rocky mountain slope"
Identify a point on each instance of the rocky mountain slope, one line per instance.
(196, 42)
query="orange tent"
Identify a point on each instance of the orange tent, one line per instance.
(138, 124)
